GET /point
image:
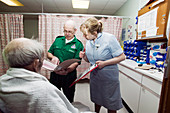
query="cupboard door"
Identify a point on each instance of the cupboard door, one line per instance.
(130, 91)
(131, 73)
(149, 103)
(153, 85)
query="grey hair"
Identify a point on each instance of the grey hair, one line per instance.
(22, 52)
(70, 23)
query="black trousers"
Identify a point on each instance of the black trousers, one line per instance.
(64, 81)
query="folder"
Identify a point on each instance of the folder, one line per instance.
(64, 65)
(86, 72)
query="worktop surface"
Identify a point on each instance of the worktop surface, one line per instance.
(153, 73)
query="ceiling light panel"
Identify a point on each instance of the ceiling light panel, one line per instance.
(81, 4)
(12, 2)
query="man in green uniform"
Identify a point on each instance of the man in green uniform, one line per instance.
(64, 48)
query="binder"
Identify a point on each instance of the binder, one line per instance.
(86, 72)
(64, 65)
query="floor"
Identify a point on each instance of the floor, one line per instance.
(82, 95)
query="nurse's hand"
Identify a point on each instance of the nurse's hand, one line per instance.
(81, 54)
(100, 64)
(55, 60)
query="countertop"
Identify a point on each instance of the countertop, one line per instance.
(153, 73)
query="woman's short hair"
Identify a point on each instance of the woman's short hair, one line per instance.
(92, 25)
(21, 52)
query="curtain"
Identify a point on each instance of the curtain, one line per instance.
(11, 27)
(51, 26)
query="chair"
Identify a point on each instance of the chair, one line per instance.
(81, 107)
(1, 111)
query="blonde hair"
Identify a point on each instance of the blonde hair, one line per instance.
(92, 25)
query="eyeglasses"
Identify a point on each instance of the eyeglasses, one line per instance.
(69, 32)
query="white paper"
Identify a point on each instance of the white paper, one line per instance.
(48, 65)
(147, 22)
(141, 23)
(151, 32)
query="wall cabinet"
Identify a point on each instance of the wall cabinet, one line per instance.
(141, 93)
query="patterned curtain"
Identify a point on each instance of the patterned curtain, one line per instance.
(51, 26)
(11, 27)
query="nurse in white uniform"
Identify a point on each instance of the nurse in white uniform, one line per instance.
(103, 49)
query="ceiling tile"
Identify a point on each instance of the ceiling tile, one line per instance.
(3, 7)
(51, 10)
(31, 4)
(108, 12)
(97, 5)
(66, 10)
(64, 4)
(113, 5)
(81, 11)
(48, 4)
(94, 11)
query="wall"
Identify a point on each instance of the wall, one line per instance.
(130, 8)
(31, 26)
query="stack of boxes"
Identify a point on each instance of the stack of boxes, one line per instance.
(144, 53)
(134, 50)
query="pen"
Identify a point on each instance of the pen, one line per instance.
(84, 50)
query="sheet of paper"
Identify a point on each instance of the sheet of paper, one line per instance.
(141, 23)
(48, 65)
(147, 22)
(151, 32)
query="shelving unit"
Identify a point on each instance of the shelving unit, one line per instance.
(134, 49)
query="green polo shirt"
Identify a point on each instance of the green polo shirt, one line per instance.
(65, 51)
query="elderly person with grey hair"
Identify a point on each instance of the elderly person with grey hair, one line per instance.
(22, 88)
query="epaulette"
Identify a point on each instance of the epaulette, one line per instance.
(59, 36)
(79, 40)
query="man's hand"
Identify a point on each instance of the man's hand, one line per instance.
(61, 72)
(55, 60)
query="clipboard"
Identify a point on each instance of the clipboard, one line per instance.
(87, 71)
(64, 65)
